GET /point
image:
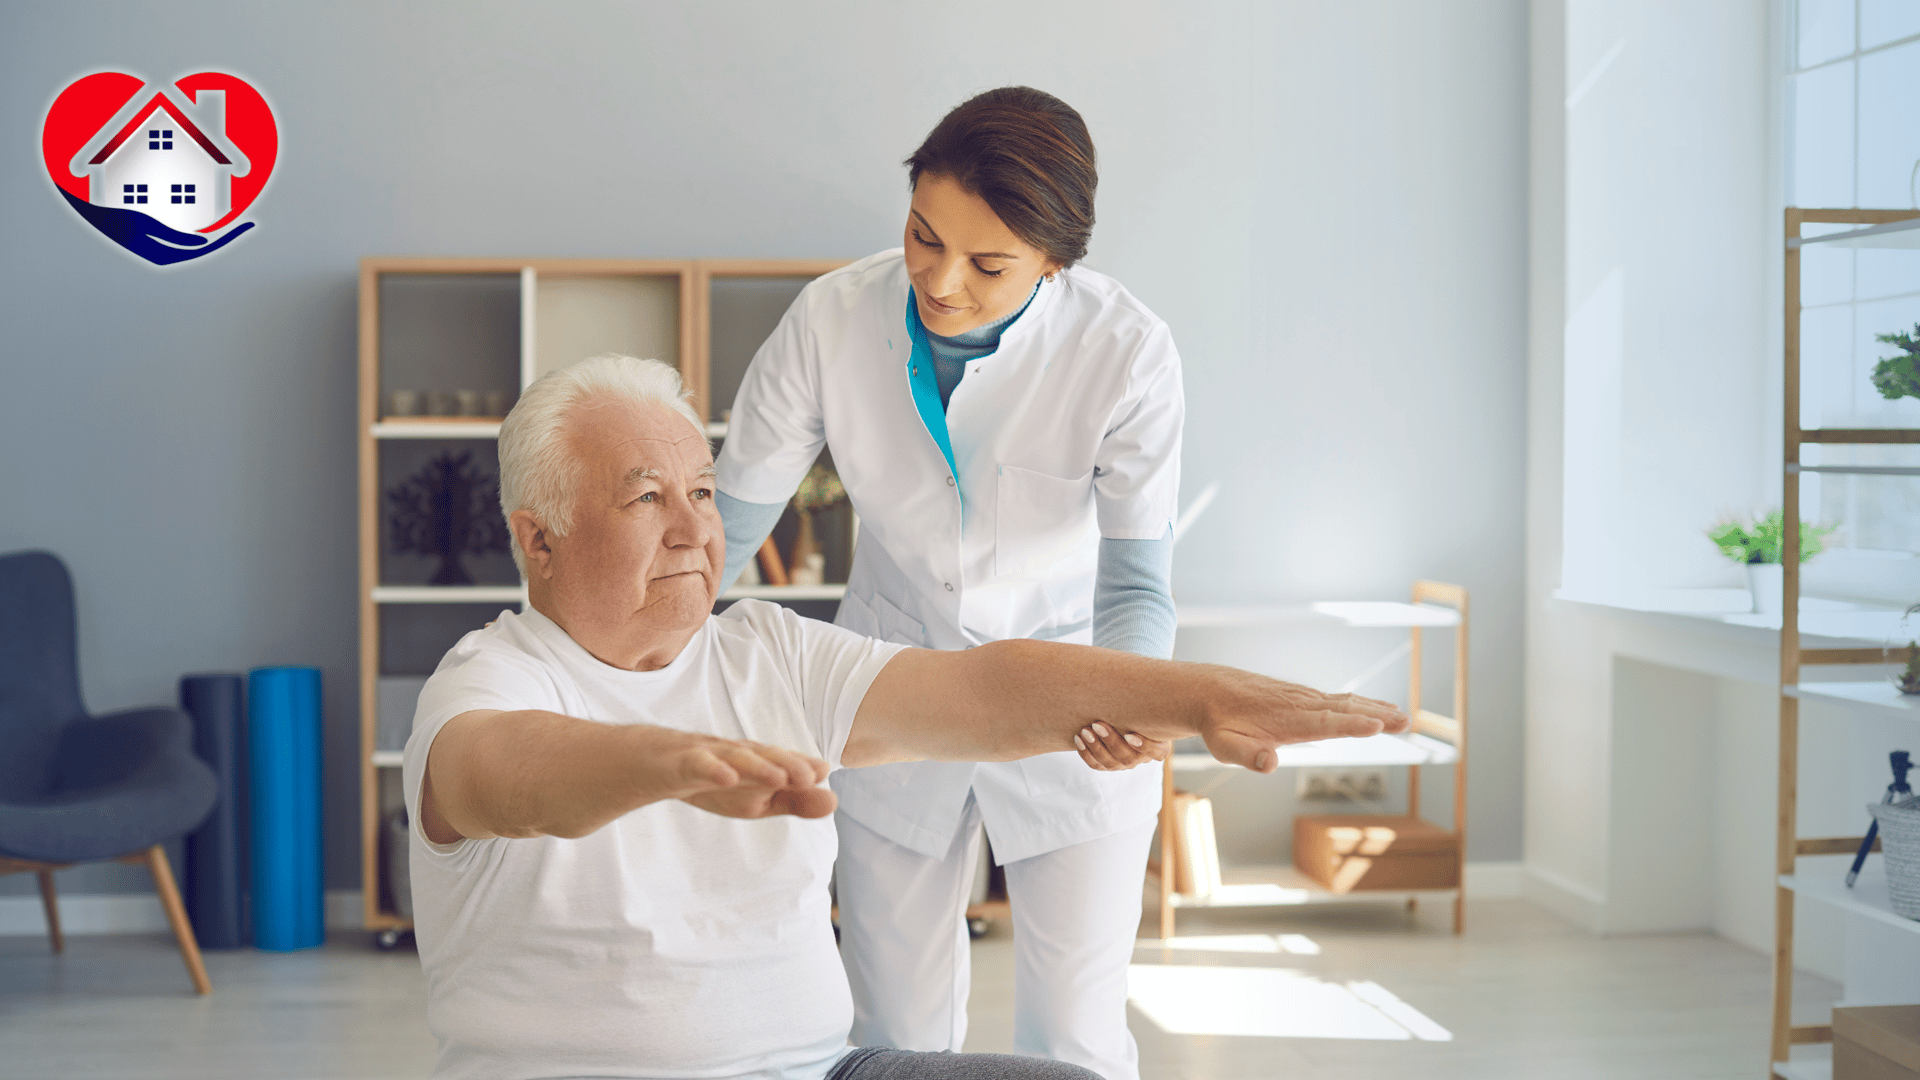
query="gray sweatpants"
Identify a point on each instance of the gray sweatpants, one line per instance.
(880, 1063)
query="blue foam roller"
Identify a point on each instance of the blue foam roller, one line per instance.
(216, 854)
(283, 736)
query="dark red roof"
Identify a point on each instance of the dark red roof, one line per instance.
(159, 102)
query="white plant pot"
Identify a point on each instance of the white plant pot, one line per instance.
(1766, 582)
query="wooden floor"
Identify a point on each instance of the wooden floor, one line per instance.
(1522, 995)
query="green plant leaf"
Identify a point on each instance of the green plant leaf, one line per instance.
(1764, 540)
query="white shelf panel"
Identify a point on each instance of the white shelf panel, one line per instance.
(436, 429)
(1283, 886)
(716, 429)
(785, 592)
(388, 759)
(1867, 898)
(449, 594)
(1879, 697)
(1355, 613)
(1408, 749)
(1387, 613)
(1873, 625)
(1804, 1070)
(1894, 234)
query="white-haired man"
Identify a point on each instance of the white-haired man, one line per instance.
(622, 845)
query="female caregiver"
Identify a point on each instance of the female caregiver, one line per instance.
(1008, 429)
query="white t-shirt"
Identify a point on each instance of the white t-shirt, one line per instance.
(672, 943)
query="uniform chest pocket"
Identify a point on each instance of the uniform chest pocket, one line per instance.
(878, 617)
(1039, 519)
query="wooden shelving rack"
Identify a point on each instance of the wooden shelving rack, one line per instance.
(1434, 739)
(1879, 228)
(577, 290)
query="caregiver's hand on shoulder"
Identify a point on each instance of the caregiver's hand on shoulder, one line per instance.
(1249, 715)
(1103, 748)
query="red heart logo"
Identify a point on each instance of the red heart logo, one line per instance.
(161, 168)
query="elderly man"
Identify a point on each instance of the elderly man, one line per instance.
(622, 846)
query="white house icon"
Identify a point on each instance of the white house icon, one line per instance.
(165, 157)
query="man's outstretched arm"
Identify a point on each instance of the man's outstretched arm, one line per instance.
(1014, 699)
(535, 773)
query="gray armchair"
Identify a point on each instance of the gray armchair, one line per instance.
(80, 788)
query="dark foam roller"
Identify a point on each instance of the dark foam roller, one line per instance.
(216, 852)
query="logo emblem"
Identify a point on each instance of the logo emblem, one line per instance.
(164, 171)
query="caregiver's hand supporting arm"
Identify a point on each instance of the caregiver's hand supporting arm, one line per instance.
(1014, 699)
(533, 773)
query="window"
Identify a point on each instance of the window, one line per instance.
(133, 193)
(183, 193)
(1852, 76)
(159, 138)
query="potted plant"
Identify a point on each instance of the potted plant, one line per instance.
(819, 490)
(1760, 544)
(448, 509)
(1909, 678)
(1898, 376)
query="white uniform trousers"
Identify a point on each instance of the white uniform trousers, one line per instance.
(1076, 913)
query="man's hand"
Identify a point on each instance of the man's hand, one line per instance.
(1017, 698)
(1256, 714)
(749, 780)
(536, 773)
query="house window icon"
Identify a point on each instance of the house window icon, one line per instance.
(182, 193)
(133, 193)
(160, 138)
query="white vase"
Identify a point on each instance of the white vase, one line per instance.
(1766, 582)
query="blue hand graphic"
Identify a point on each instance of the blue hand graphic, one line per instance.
(146, 237)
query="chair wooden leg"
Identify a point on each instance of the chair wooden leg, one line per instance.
(177, 915)
(51, 902)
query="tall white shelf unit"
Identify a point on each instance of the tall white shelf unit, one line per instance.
(1868, 900)
(568, 309)
(1433, 739)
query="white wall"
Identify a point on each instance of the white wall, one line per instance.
(1653, 403)
(1325, 200)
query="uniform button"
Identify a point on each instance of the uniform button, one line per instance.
(949, 586)
(913, 371)
(949, 481)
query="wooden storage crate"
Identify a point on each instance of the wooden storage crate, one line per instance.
(1356, 852)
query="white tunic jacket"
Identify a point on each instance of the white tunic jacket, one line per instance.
(1068, 433)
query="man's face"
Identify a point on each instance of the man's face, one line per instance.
(642, 561)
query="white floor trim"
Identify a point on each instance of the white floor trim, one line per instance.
(139, 913)
(1494, 880)
(134, 913)
(1572, 901)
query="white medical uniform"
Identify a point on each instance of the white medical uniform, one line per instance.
(976, 525)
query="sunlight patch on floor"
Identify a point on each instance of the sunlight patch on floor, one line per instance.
(1277, 1003)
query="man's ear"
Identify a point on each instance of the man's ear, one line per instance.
(532, 541)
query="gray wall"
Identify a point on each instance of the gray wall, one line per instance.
(1325, 200)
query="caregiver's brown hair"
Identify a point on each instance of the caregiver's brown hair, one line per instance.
(1028, 155)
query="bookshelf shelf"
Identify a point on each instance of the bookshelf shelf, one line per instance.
(494, 325)
(1872, 229)
(449, 594)
(1377, 750)
(1877, 697)
(438, 427)
(1867, 898)
(829, 591)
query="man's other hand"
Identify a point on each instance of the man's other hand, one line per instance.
(748, 780)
